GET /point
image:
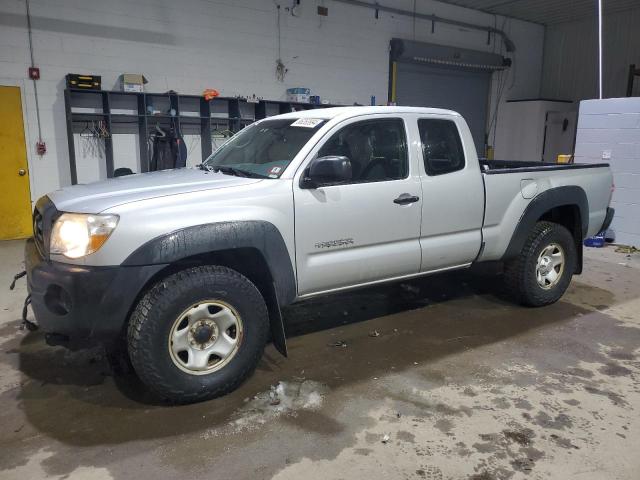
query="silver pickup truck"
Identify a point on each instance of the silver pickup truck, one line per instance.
(188, 269)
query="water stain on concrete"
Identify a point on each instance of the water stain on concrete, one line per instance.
(430, 472)
(444, 425)
(614, 370)
(580, 372)
(559, 422)
(526, 459)
(521, 437)
(363, 451)
(486, 447)
(373, 437)
(469, 392)
(405, 436)
(621, 355)
(482, 476)
(522, 404)
(563, 442)
(615, 398)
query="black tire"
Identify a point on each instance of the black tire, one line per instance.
(520, 273)
(152, 321)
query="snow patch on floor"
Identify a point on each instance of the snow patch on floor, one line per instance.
(285, 398)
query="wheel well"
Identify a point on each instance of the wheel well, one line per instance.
(569, 217)
(247, 261)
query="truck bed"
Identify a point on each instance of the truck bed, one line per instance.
(511, 185)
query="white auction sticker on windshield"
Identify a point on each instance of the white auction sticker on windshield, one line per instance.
(307, 122)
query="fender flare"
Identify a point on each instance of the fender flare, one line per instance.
(570, 195)
(224, 236)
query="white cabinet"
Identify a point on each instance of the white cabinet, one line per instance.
(533, 130)
(609, 131)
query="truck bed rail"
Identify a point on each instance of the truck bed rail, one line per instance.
(494, 167)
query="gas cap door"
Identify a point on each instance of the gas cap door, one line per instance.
(528, 188)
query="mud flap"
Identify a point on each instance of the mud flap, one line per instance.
(579, 255)
(278, 336)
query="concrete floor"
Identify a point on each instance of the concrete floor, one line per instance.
(457, 384)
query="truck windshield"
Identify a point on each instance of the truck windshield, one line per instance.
(263, 149)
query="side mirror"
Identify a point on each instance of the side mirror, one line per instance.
(324, 171)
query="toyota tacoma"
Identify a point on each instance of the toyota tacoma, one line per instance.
(188, 269)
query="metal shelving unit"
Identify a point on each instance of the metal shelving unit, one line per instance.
(128, 112)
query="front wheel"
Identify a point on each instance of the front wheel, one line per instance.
(541, 273)
(198, 334)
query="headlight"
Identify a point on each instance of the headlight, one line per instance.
(77, 234)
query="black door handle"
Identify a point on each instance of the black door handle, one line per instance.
(406, 198)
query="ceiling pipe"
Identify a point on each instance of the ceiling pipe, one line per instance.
(600, 49)
(508, 43)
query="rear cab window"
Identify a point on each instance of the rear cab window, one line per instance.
(442, 150)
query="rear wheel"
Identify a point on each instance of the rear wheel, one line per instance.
(541, 273)
(198, 333)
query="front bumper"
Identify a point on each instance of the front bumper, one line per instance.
(82, 304)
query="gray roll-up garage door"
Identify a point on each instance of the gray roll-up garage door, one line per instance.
(465, 92)
(437, 76)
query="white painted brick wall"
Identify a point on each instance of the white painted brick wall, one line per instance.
(230, 45)
(613, 125)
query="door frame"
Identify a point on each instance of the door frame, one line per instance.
(414, 172)
(21, 84)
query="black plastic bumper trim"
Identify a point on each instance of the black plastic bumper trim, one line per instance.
(99, 298)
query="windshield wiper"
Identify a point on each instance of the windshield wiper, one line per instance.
(235, 171)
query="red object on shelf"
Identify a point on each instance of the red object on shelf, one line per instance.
(210, 93)
(34, 73)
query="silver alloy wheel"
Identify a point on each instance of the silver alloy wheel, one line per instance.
(550, 266)
(205, 337)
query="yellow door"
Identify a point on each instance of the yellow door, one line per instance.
(15, 199)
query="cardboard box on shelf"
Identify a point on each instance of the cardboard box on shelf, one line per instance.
(132, 82)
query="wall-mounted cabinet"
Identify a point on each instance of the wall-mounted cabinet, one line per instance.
(102, 114)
